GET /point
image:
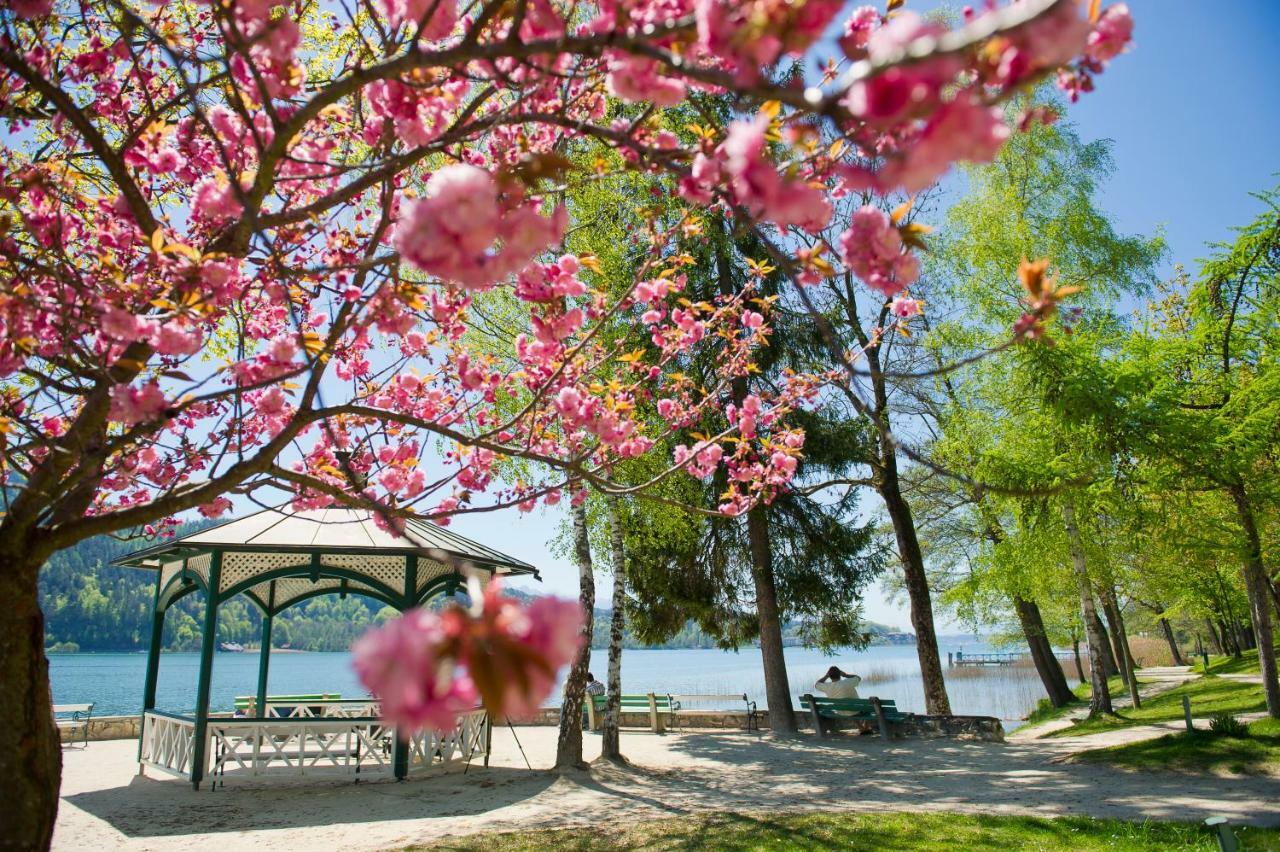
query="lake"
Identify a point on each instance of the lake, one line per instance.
(113, 682)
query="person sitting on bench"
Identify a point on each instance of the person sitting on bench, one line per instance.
(838, 684)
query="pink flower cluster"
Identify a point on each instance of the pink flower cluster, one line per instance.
(753, 34)
(444, 15)
(963, 129)
(742, 164)
(635, 78)
(873, 249)
(418, 113)
(464, 231)
(427, 668)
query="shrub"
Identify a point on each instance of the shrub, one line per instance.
(1226, 725)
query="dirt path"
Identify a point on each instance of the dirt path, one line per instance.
(1157, 681)
(106, 806)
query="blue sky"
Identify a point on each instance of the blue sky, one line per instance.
(1194, 114)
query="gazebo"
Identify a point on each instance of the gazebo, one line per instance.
(277, 558)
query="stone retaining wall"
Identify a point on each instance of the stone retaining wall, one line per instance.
(963, 727)
(107, 728)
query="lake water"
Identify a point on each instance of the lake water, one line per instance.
(113, 682)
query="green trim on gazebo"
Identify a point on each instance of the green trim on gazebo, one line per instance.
(335, 551)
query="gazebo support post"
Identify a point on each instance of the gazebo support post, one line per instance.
(198, 746)
(400, 746)
(153, 665)
(264, 656)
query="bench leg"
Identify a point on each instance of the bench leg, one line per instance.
(885, 733)
(817, 718)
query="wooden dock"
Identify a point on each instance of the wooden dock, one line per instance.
(999, 658)
(960, 658)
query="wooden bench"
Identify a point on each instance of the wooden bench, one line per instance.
(661, 709)
(75, 720)
(753, 715)
(831, 714)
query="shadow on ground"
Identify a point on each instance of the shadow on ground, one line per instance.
(168, 808)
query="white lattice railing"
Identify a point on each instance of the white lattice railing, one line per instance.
(250, 747)
(334, 746)
(167, 741)
(466, 742)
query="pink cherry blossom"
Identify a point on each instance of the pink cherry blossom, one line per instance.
(873, 249)
(214, 201)
(444, 15)
(904, 308)
(963, 129)
(635, 78)
(216, 508)
(130, 405)
(417, 688)
(1111, 35)
(452, 230)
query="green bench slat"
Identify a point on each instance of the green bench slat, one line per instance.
(243, 701)
(636, 702)
(853, 708)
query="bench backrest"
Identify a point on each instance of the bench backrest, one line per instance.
(314, 696)
(859, 706)
(663, 703)
(72, 708)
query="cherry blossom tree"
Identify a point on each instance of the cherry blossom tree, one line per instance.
(240, 243)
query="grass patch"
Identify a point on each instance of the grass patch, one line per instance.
(942, 832)
(1208, 696)
(1046, 712)
(1200, 751)
(1247, 664)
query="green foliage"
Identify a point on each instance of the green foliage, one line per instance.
(1226, 725)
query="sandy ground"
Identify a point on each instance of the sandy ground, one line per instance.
(105, 805)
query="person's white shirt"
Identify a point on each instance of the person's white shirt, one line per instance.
(845, 687)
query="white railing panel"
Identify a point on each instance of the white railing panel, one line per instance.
(300, 747)
(167, 743)
(429, 750)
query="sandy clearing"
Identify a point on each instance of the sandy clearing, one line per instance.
(105, 805)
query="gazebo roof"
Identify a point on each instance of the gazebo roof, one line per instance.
(280, 556)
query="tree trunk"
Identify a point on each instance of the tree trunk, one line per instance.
(1075, 649)
(30, 752)
(1110, 667)
(1230, 639)
(777, 689)
(1256, 582)
(1245, 635)
(917, 583)
(569, 744)
(1121, 639)
(1218, 645)
(611, 744)
(1046, 662)
(1100, 700)
(1174, 651)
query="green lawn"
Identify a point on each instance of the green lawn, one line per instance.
(880, 831)
(1200, 751)
(1208, 696)
(1247, 664)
